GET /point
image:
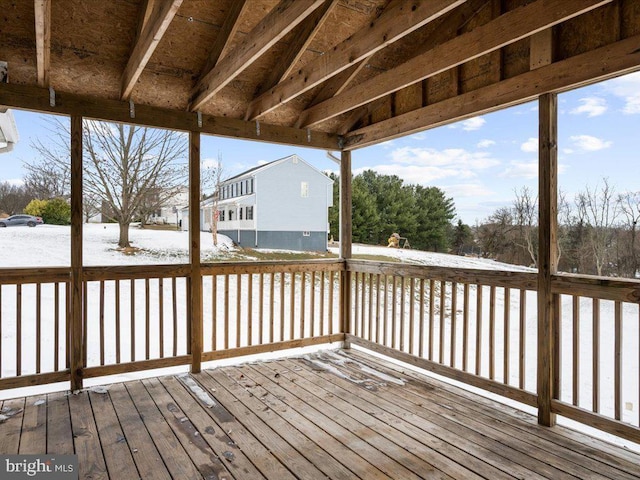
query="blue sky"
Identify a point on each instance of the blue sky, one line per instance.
(479, 162)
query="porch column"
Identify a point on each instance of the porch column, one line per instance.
(195, 283)
(547, 256)
(345, 241)
(75, 344)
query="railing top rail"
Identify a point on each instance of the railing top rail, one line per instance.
(498, 278)
(225, 268)
(127, 272)
(12, 276)
(603, 288)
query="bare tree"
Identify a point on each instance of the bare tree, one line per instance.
(50, 175)
(525, 209)
(131, 168)
(13, 198)
(126, 168)
(629, 203)
(212, 177)
(600, 210)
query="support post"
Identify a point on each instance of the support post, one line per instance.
(345, 241)
(195, 283)
(547, 255)
(75, 344)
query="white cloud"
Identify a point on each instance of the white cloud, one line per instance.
(473, 123)
(424, 165)
(528, 170)
(627, 88)
(592, 106)
(485, 143)
(588, 143)
(461, 190)
(530, 146)
(18, 182)
(521, 170)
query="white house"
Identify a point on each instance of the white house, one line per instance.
(283, 204)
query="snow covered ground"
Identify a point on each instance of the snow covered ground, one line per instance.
(49, 245)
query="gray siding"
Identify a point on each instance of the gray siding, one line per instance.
(280, 205)
(314, 242)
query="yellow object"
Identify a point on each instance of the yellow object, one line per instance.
(394, 240)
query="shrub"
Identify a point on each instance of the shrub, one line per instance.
(35, 207)
(57, 212)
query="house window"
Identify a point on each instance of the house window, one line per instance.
(304, 189)
(230, 215)
(240, 214)
(249, 213)
(221, 215)
(306, 234)
(251, 185)
(241, 188)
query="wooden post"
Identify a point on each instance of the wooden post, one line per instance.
(345, 241)
(195, 284)
(547, 254)
(75, 344)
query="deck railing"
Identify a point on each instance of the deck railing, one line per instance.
(476, 326)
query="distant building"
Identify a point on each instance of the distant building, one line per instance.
(283, 204)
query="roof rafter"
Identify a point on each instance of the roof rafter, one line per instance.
(438, 32)
(278, 22)
(156, 20)
(42, 10)
(622, 57)
(394, 23)
(505, 29)
(302, 36)
(226, 33)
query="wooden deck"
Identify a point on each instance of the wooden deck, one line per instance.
(339, 415)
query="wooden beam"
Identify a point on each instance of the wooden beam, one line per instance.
(504, 30)
(75, 328)
(42, 10)
(156, 25)
(590, 67)
(300, 39)
(394, 23)
(541, 49)
(37, 99)
(226, 33)
(547, 253)
(280, 21)
(345, 240)
(195, 278)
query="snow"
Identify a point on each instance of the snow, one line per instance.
(49, 246)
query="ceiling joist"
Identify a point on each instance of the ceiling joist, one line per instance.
(394, 23)
(42, 10)
(156, 20)
(622, 57)
(505, 29)
(226, 33)
(302, 36)
(280, 21)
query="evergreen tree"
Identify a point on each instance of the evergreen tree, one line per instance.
(434, 212)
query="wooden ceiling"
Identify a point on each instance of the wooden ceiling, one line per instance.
(332, 74)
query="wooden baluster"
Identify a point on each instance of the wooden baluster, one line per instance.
(118, 341)
(161, 316)
(478, 329)
(523, 338)
(617, 362)
(507, 334)
(576, 351)
(465, 328)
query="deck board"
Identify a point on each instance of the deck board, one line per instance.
(339, 415)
